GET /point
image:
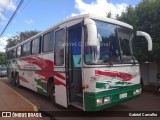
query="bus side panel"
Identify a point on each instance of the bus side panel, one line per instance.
(29, 67)
(60, 88)
(45, 73)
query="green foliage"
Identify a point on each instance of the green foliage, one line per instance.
(2, 58)
(145, 17)
(19, 37)
(109, 14)
(129, 16)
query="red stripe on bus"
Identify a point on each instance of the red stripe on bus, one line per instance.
(57, 82)
(46, 75)
(59, 75)
(32, 60)
(45, 64)
(23, 79)
(40, 62)
(121, 75)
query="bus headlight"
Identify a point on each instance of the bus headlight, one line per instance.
(107, 99)
(99, 101)
(136, 92)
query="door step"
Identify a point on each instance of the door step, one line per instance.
(77, 104)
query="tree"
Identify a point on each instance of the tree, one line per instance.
(145, 17)
(109, 14)
(129, 16)
(2, 58)
(19, 37)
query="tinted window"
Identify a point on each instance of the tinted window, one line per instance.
(124, 36)
(9, 55)
(59, 47)
(107, 45)
(36, 46)
(26, 49)
(19, 51)
(48, 42)
(14, 53)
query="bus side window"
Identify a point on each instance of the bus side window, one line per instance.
(18, 51)
(59, 47)
(26, 49)
(9, 54)
(14, 53)
(36, 46)
(23, 50)
(47, 42)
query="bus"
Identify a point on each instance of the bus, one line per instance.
(85, 61)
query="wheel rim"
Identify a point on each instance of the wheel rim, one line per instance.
(17, 80)
(53, 94)
(13, 81)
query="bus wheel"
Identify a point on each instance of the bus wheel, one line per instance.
(141, 82)
(17, 81)
(13, 80)
(52, 93)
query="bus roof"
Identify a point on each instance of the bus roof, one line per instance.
(92, 16)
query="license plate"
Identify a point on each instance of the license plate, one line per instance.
(123, 95)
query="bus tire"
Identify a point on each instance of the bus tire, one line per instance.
(17, 81)
(141, 82)
(13, 80)
(52, 96)
(52, 93)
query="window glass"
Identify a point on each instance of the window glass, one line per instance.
(19, 51)
(59, 47)
(14, 53)
(112, 45)
(48, 42)
(107, 45)
(36, 46)
(124, 36)
(10, 55)
(26, 49)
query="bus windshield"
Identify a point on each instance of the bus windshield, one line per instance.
(113, 45)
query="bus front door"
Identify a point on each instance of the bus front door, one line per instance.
(74, 66)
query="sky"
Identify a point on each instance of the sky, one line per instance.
(42, 14)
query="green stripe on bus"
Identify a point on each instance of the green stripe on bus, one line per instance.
(90, 98)
(42, 89)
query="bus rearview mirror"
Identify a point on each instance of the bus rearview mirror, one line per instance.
(148, 38)
(92, 32)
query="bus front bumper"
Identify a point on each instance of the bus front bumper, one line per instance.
(102, 100)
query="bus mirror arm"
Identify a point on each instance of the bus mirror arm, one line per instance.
(130, 44)
(92, 32)
(147, 36)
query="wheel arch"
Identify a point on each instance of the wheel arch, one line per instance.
(49, 83)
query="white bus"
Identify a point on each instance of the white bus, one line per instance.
(85, 61)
